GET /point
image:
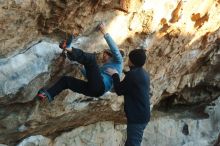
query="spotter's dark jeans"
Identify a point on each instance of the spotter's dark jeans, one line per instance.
(134, 134)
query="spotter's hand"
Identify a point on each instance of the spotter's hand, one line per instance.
(111, 71)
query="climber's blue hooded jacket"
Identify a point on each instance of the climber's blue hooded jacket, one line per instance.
(116, 62)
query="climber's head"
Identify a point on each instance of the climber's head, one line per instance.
(107, 55)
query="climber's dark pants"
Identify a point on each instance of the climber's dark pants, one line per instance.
(94, 87)
(134, 134)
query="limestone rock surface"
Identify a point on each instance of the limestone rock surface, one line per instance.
(182, 42)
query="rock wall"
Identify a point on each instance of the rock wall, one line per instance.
(180, 129)
(182, 39)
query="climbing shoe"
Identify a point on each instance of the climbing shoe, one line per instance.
(66, 43)
(62, 45)
(43, 95)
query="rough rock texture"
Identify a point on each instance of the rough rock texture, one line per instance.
(184, 58)
(19, 70)
(182, 129)
(101, 133)
(182, 39)
(36, 140)
(164, 129)
(20, 120)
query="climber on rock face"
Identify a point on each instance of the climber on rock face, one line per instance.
(98, 81)
(135, 87)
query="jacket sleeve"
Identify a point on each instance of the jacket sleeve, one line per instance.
(121, 88)
(114, 48)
